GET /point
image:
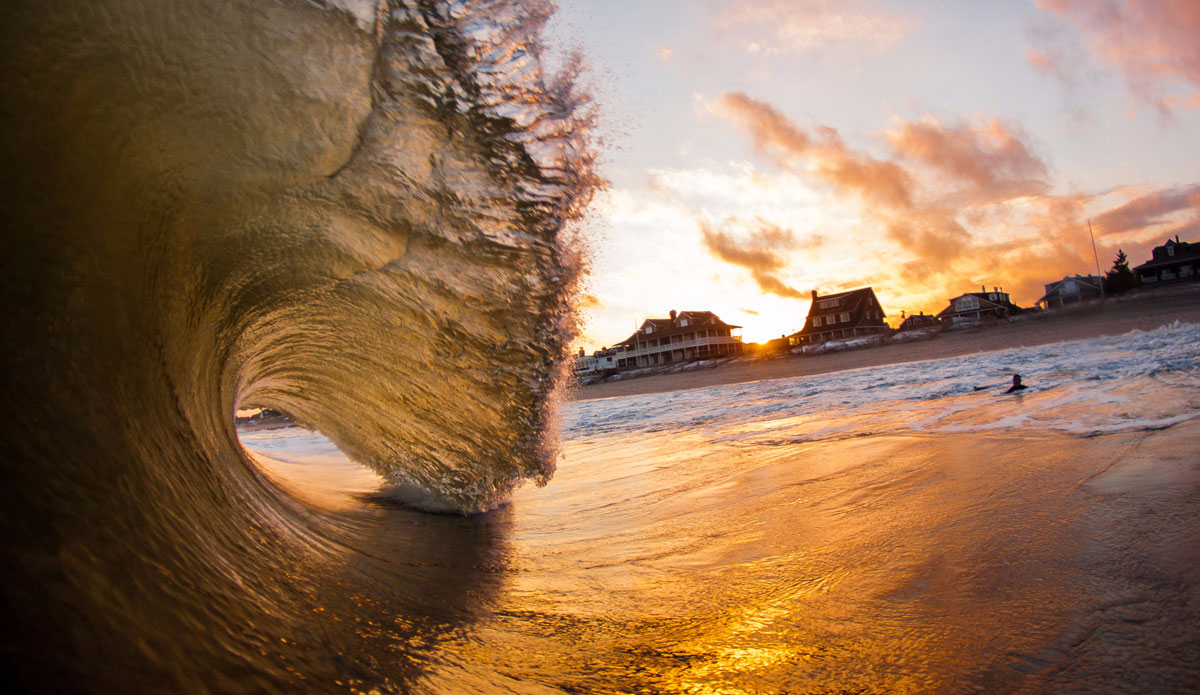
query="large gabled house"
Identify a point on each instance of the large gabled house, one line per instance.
(1174, 261)
(978, 306)
(1072, 290)
(849, 314)
(685, 336)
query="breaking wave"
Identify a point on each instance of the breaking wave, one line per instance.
(356, 212)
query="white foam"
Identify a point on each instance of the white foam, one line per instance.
(1140, 380)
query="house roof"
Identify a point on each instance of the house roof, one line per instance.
(984, 303)
(1183, 251)
(854, 302)
(1093, 282)
(665, 328)
(917, 321)
(848, 300)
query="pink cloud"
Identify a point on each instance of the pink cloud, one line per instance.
(991, 156)
(1152, 210)
(1152, 43)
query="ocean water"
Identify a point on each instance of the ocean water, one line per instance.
(360, 213)
(885, 530)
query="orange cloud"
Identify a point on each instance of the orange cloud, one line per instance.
(887, 188)
(878, 182)
(763, 254)
(966, 204)
(1153, 44)
(992, 156)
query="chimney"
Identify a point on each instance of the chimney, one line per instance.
(672, 314)
(982, 288)
(814, 293)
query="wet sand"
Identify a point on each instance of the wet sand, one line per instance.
(1145, 311)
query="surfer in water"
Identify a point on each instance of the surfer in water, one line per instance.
(1016, 385)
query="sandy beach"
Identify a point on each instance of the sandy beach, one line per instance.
(1143, 311)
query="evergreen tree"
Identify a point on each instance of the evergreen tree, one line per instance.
(1120, 278)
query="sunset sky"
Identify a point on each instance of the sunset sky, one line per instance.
(757, 150)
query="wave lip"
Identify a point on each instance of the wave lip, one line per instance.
(430, 329)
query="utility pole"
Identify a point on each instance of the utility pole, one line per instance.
(1096, 256)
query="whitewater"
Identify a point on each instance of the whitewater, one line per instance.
(364, 214)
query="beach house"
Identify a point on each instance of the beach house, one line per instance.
(1174, 261)
(974, 307)
(685, 336)
(1072, 290)
(848, 314)
(917, 322)
(600, 361)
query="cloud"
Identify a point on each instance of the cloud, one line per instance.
(991, 156)
(824, 152)
(762, 254)
(1152, 44)
(801, 26)
(663, 53)
(886, 188)
(1152, 210)
(1058, 56)
(958, 205)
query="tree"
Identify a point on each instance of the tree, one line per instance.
(1120, 278)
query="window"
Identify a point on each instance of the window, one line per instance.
(683, 322)
(1170, 249)
(828, 303)
(648, 329)
(967, 303)
(844, 317)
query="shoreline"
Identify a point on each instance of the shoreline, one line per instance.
(1144, 311)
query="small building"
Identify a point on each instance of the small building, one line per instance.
(918, 321)
(849, 314)
(978, 306)
(1072, 290)
(685, 336)
(600, 361)
(1174, 261)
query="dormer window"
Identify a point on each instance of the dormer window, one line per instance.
(683, 321)
(1170, 249)
(648, 329)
